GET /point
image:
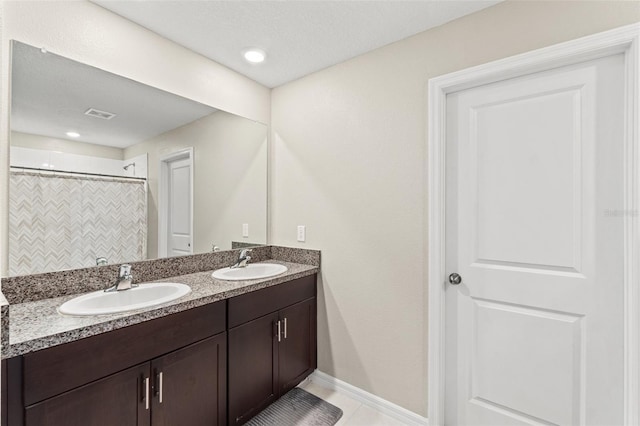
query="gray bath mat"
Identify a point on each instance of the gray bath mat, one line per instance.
(298, 407)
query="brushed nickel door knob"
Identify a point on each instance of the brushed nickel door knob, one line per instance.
(455, 279)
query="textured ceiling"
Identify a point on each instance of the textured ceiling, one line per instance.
(300, 37)
(50, 94)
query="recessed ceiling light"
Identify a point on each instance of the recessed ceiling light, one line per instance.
(255, 56)
(73, 134)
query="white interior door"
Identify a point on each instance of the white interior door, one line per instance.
(179, 208)
(534, 333)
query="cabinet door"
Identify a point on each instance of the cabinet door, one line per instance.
(298, 343)
(189, 385)
(253, 369)
(120, 399)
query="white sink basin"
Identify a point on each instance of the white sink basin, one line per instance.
(252, 271)
(143, 296)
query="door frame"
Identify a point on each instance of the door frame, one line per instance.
(163, 196)
(625, 40)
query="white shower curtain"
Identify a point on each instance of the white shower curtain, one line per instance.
(59, 221)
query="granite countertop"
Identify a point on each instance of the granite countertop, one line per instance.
(37, 324)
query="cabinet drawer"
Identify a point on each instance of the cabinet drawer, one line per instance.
(253, 305)
(61, 368)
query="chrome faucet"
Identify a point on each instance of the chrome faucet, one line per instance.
(243, 259)
(124, 279)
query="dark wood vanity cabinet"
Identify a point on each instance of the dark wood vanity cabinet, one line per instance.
(216, 364)
(189, 385)
(272, 345)
(297, 348)
(253, 368)
(182, 387)
(168, 371)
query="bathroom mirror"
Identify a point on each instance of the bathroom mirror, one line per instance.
(107, 169)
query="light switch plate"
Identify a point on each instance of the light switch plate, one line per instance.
(245, 230)
(301, 233)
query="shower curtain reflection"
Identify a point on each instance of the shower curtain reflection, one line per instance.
(64, 221)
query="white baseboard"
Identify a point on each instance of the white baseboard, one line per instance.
(390, 409)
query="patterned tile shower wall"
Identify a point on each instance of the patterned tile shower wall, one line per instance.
(64, 222)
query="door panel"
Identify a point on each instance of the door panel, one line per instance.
(253, 368)
(503, 333)
(515, 141)
(297, 348)
(192, 388)
(534, 212)
(115, 400)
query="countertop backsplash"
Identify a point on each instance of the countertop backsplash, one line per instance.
(29, 288)
(29, 318)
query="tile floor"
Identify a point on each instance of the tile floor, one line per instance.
(354, 412)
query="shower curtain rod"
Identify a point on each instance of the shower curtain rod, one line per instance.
(77, 173)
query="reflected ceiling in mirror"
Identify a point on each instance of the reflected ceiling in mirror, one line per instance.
(106, 167)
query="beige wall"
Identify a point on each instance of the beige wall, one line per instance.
(87, 33)
(27, 140)
(349, 162)
(230, 174)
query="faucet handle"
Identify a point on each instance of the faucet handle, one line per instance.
(125, 270)
(245, 252)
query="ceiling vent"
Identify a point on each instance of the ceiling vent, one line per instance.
(92, 112)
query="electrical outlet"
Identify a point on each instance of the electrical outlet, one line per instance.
(301, 233)
(245, 230)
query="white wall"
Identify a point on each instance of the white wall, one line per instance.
(36, 151)
(61, 161)
(349, 162)
(27, 140)
(87, 33)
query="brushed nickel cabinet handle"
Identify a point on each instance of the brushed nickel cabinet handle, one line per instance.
(285, 328)
(279, 331)
(160, 385)
(146, 393)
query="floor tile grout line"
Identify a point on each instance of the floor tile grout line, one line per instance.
(350, 417)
